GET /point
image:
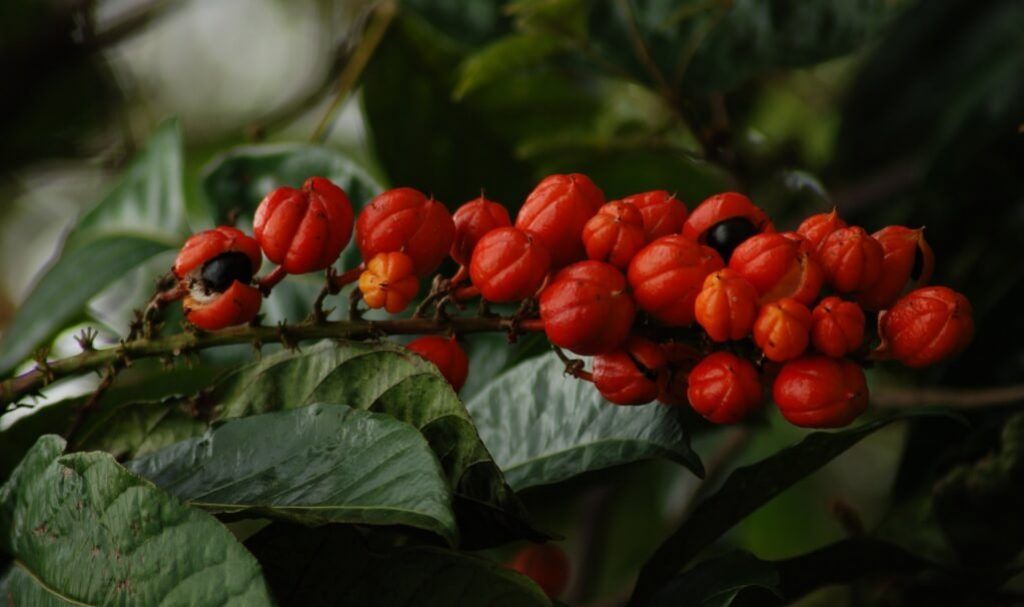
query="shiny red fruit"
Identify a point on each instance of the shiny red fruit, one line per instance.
(446, 354)
(546, 564)
(472, 221)
(724, 221)
(816, 228)
(837, 327)
(633, 374)
(906, 259)
(726, 306)
(778, 266)
(404, 220)
(724, 388)
(556, 212)
(820, 392)
(667, 275)
(852, 259)
(783, 329)
(509, 265)
(615, 234)
(237, 305)
(216, 267)
(204, 246)
(663, 214)
(304, 230)
(586, 308)
(926, 326)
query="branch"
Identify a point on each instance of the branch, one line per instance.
(16, 388)
(950, 397)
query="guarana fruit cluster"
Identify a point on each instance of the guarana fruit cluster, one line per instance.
(711, 308)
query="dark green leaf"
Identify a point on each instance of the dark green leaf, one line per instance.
(717, 46)
(544, 427)
(490, 355)
(313, 465)
(746, 490)
(85, 531)
(335, 566)
(388, 379)
(407, 95)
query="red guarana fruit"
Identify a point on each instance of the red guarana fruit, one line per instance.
(724, 388)
(778, 266)
(389, 282)
(446, 354)
(820, 392)
(472, 221)
(586, 308)
(926, 326)
(726, 306)
(663, 214)
(304, 230)
(816, 228)
(508, 265)
(633, 374)
(852, 259)
(556, 212)
(906, 259)
(615, 234)
(404, 220)
(837, 327)
(216, 268)
(782, 329)
(546, 564)
(667, 275)
(724, 221)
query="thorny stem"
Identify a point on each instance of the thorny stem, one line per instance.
(16, 388)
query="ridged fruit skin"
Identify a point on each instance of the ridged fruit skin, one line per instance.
(237, 305)
(546, 564)
(615, 234)
(586, 308)
(404, 220)
(667, 275)
(926, 326)
(389, 282)
(556, 212)
(472, 221)
(204, 246)
(837, 327)
(508, 265)
(820, 392)
(900, 249)
(633, 374)
(783, 329)
(724, 388)
(304, 230)
(779, 266)
(662, 213)
(720, 207)
(726, 306)
(446, 354)
(816, 228)
(852, 259)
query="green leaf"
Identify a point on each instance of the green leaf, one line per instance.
(237, 180)
(141, 217)
(746, 490)
(490, 355)
(334, 565)
(85, 531)
(388, 379)
(502, 57)
(718, 581)
(544, 427)
(407, 97)
(705, 46)
(314, 465)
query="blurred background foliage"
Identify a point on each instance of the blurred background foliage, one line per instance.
(893, 111)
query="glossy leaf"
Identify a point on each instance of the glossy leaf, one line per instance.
(746, 490)
(392, 380)
(85, 531)
(313, 465)
(142, 216)
(335, 565)
(544, 427)
(503, 56)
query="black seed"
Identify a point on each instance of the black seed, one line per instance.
(224, 269)
(726, 235)
(915, 272)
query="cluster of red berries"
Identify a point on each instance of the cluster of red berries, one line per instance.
(615, 280)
